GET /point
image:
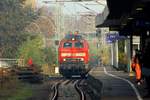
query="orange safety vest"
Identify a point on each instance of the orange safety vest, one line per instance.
(30, 62)
(138, 71)
(137, 68)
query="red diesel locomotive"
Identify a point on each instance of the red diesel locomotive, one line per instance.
(73, 56)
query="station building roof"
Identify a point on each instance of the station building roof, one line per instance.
(127, 16)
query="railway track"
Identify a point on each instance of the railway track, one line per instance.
(55, 92)
(55, 88)
(65, 83)
(79, 90)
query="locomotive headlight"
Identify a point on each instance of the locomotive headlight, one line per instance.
(73, 39)
(64, 59)
(80, 54)
(82, 59)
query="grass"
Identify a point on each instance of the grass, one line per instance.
(21, 94)
(15, 90)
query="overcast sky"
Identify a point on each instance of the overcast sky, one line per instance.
(74, 8)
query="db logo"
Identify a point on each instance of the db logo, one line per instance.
(73, 54)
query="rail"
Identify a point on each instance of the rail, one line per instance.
(79, 90)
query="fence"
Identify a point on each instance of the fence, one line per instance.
(12, 62)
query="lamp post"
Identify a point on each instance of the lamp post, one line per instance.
(58, 25)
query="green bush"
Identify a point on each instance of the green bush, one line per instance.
(32, 48)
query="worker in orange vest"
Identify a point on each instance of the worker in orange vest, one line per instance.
(137, 68)
(30, 62)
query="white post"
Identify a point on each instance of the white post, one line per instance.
(125, 47)
(117, 58)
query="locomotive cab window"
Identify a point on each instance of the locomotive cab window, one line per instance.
(67, 45)
(79, 45)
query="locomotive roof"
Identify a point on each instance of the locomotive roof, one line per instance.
(73, 36)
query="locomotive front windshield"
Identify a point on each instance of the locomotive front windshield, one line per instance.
(70, 45)
(79, 45)
(67, 45)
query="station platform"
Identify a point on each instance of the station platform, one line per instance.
(119, 85)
